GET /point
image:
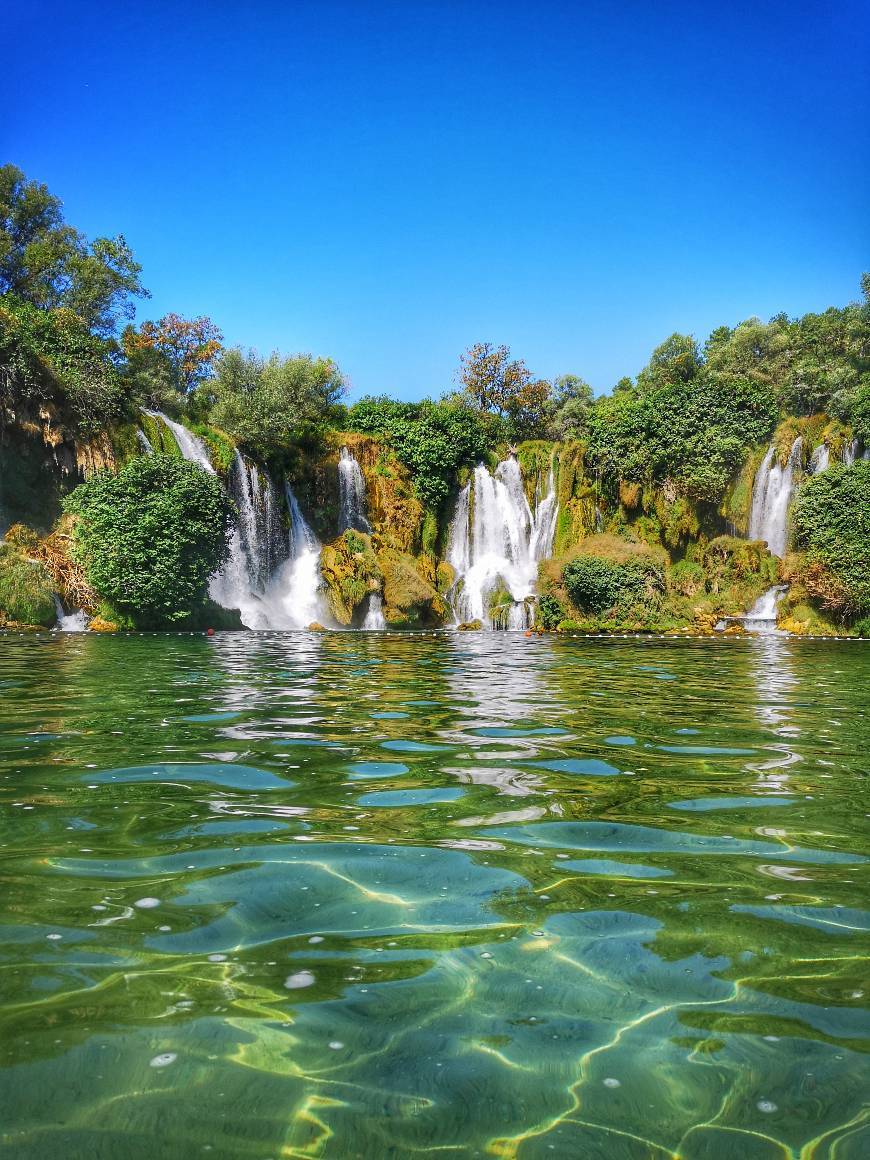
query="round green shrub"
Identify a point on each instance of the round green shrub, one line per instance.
(150, 537)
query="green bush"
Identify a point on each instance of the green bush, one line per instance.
(687, 578)
(597, 585)
(150, 537)
(550, 612)
(26, 593)
(831, 520)
(433, 440)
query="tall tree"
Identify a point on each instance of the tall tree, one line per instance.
(503, 386)
(187, 347)
(48, 264)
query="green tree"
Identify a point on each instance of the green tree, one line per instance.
(47, 263)
(269, 405)
(676, 360)
(432, 439)
(52, 355)
(503, 386)
(572, 403)
(150, 536)
(176, 350)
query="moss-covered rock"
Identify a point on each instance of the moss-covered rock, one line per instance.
(351, 571)
(410, 595)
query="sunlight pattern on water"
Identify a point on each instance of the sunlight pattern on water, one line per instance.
(382, 895)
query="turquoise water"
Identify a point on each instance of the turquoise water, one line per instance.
(472, 895)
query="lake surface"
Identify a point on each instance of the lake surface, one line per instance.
(379, 895)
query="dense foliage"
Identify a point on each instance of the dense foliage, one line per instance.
(47, 263)
(150, 536)
(26, 595)
(50, 355)
(831, 520)
(270, 405)
(432, 439)
(596, 584)
(680, 423)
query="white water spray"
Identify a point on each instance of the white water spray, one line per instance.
(75, 621)
(351, 495)
(494, 546)
(374, 620)
(771, 497)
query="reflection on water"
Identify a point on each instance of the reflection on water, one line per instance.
(380, 895)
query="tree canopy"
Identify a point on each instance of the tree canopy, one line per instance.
(47, 263)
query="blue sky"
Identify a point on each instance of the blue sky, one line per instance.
(387, 183)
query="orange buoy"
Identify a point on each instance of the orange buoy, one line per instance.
(209, 632)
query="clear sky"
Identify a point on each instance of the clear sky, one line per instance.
(389, 182)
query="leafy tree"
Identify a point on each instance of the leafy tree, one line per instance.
(503, 386)
(572, 402)
(52, 355)
(692, 431)
(180, 349)
(49, 264)
(271, 404)
(676, 360)
(150, 536)
(831, 520)
(433, 439)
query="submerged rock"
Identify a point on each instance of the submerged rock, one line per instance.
(470, 626)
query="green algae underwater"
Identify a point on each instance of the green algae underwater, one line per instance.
(392, 895)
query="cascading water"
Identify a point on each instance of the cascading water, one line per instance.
(820, 460)
(351, 495)
(494, 546)
(374, 620)
(144, 441)
(293, 598)
(771, 496)
(231, 587)
(761, 617)
(75, 621)
(263, 540)
(274, 584)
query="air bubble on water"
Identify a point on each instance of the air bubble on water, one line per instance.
(217, 958)
(300, 979)
(486, 955)
(164, 928)
(164, 1059)
(99, 906)
(772, 1038)
(147, 903)
(610, 1082)
(336, 1045)
(766, 1106)
(316, 938)
(54, 937)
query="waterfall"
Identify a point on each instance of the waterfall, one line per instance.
(351, 495)
(761, 617)
(242, 581)
(771, 496)
(145, 441)
(293, 597)
(495, 543)
(820, 460)
(375, 614)
(263, 541)
(850, 452)
(75, 621)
